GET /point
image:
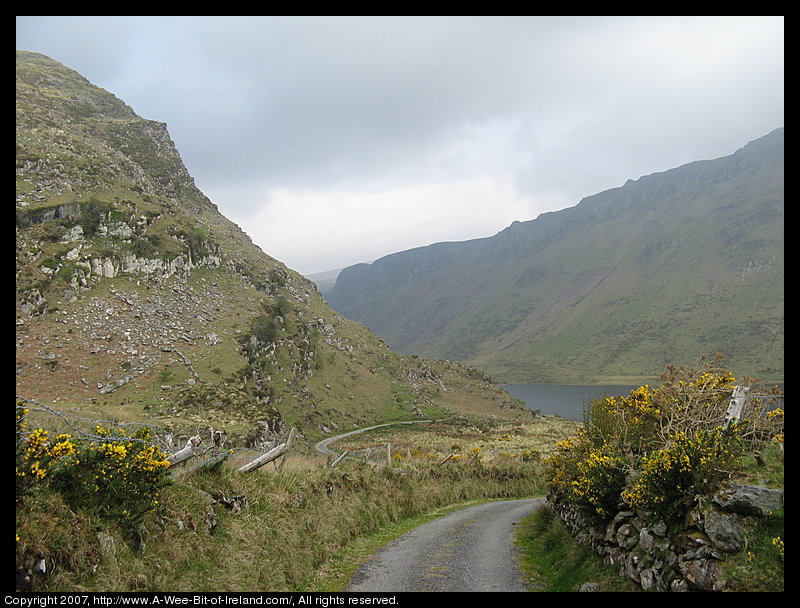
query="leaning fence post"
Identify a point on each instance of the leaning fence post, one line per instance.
(339, 458)
(450, 457)
(268, 456)
(187, 452)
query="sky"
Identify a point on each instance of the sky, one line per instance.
(337, 140)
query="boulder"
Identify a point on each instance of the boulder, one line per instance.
(724, 530)
(749, 500)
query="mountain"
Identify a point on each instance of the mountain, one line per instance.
(662, 270)
(136, 298)
(325, 281)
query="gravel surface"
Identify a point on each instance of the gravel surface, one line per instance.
(467, 550)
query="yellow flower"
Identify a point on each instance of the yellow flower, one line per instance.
(37, 471)
(62, 447)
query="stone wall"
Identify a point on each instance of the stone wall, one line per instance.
(659, 559)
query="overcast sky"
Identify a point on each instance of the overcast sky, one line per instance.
(337, 140)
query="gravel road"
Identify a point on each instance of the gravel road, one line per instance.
(323, 446)
(467, 550)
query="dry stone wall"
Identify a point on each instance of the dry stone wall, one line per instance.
(690, 559)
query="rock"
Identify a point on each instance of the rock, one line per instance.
(107, 544)
(724, 530)
(700, 573)
(626, 537)
(749, 500)
(679, 585)
(589, 588)
(612, 526)
(648, 578)
(645, 539)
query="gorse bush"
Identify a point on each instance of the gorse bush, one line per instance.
(689, 466)
(657, 449)
(112, 475)
(120, 477)
(625, 424)
(590, 476)
(599, 480)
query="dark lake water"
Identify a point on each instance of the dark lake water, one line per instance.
(565, 400)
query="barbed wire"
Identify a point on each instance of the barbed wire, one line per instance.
(168, 440)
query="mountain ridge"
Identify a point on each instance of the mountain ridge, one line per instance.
(136, 298)
(487, 301)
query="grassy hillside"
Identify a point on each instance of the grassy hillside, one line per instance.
(671, 266)
(136, 299)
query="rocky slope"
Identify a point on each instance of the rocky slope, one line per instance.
(137, 298)
(661, 270)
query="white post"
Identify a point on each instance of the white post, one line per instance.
(736, 404)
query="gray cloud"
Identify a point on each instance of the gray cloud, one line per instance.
(560, 107)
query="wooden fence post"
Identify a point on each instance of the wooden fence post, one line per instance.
(187, 452)
(736, 404)
(446, 460)
(268, 456)
(339, 458)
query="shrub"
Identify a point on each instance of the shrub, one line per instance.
(597, 486)
(589, 476)
(628, 423)
(117, 476)
(30, 456)
(672, 443)
(265, 329)
(689, 466)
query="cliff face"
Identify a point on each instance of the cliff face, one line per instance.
(136, 297)
(664, 269)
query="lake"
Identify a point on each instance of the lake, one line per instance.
(565, 400)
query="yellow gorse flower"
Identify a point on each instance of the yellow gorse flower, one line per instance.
(62, 447)
(114, 450)
(36, 441)
(37, 471)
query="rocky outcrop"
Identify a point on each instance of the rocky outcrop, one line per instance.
(689, 559)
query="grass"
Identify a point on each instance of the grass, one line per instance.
(552, 560)
(305, 527)
(527, 441)
(760, 567)
(309, 527)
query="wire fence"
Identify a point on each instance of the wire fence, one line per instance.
(168, 440)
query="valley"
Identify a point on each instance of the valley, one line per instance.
(140, 305)
(668, 267)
